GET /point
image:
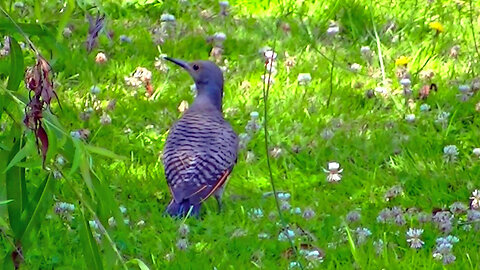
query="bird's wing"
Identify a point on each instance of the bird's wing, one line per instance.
(195, 168)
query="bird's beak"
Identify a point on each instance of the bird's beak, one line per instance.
(179, 62)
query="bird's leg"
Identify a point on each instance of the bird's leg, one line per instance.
(219, 202)
(218, 196)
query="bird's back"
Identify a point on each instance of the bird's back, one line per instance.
(201, 149)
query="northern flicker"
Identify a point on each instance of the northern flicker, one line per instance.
(201, 147)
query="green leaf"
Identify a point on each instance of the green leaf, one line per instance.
(16, 65)
(85, 171)
(7, 261)
(17, 191)
(78, 157)
(103, 152)
(37, 209)
(5, 202)
(65, 18)
(90, 248)
(140, 264)
(28, 149)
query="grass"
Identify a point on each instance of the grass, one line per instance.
(376, 147)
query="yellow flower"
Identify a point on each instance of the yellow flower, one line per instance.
(436, 26)
(402, 61)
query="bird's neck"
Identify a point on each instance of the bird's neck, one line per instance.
(208, 95)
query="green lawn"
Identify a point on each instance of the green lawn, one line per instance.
(363, 57)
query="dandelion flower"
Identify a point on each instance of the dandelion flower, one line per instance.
(402, 61)
(436, 26)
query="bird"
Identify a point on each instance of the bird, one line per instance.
(201, 147)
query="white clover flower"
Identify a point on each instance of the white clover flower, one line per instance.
(105, 119)
(95, 90)
(410, 118)
(450, 150)
(285, 235)
(224, 4)
(269, 54)
(381, 90)
(464, 88)
(366, 51)
(67, 32)
(183, 230)
(355, 67)
(18, 5)
(297, 211)
(334, 173)
(101, 58)
(405, 82)
(182, 244)
(327, 134)
(219, 37)
(125, 39)
(476, 151)
(333, 29)
(284, 196)
(256, 213)
(475, 199)
(166, 17)
(413, 238)
(304, 78)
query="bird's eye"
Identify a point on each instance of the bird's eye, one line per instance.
(195, 67)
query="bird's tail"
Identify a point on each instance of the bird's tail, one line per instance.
(181, 209)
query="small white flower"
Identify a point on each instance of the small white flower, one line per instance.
(57, 174)
(297, 210)
(256, 213)
(18, 5)
(450, 153)
(167, 17)
(112, 222)
(304, 78)
(333, 29)
(105, 119)
(101, 58)
(224, 4)
(464, 88)
(476, 151)
(95, 90)
(475, 199)
(183, 230)
(327, 134)
(122, 209)
(141, 223)
(355, 67)
(410, 118)
(381, 90)
(125, 39)
(405, 82)
(219, 37)
(182, 244)
(365, 50)
(333, 172)
(413, 238)
(424, 107)
(284, 196)
(308, 213)
(285, 235)
(269, 54)
(293, 265)
(450, 150)
(254, 115)
(67, 32)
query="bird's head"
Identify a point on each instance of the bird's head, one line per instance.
(207, 76)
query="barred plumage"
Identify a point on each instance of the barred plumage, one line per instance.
(201, 148)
